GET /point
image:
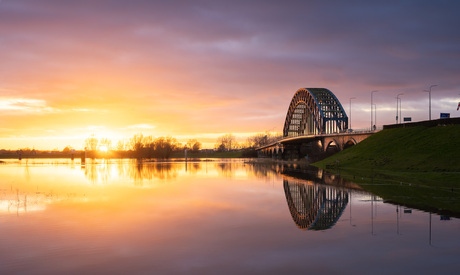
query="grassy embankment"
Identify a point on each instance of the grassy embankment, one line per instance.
(417, 166)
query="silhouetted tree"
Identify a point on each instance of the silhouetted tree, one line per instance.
(193, 145)
(122, 145)
(149, 146)
(226, 142)
(137, 144)
(165, 146)
(258, 140)
(91, 143)
(220, 148)
(66, 150)
(261, 139)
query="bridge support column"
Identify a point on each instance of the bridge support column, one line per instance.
(291, 151)
(327, 141)
(278, 151)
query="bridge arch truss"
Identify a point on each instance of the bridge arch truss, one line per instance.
(314, 111)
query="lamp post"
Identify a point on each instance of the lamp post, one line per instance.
(350, 111)
(375, 114)
(458, 106)
(429, 97)
(372, 107)
(397, 102)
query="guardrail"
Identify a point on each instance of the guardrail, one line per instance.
(426, 123)
(348, 132)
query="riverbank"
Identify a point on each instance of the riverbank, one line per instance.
(417, 167)
(416, 149)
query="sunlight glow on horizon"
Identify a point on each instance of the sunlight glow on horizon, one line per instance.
(58, 143)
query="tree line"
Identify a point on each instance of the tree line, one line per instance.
(140, 146)
(228, 142)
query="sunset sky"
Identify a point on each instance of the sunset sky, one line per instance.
(200, 69)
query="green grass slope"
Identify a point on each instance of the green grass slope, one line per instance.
(415, 149)
(417, 167)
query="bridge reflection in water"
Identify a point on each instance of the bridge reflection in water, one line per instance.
(314, 206)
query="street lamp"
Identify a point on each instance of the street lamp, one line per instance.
(458, 106)
(372, 107)
(400, 108)
(398, 100)
(429, 94)
(375, 114)
(350, 111)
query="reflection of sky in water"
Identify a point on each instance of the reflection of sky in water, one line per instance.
(129, 217)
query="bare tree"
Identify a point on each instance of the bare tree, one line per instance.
(121, 145)
(261, 139)
(226, 142)
(91, 143)
(194, 145)
(137, 144)
(165, 146)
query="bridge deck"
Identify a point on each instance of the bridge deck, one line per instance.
(296, 139)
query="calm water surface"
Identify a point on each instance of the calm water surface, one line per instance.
(230, 217)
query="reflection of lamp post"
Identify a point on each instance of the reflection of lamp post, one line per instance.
(429, 97)
(350, 211)
(430, 230)
(372, 106)
(397, 102)
(397, 219)
(350, 110)
(372, 215)
(185, 155)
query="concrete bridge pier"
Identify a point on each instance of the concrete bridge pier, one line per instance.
(291, 151)
(308, 150)
(279, 151)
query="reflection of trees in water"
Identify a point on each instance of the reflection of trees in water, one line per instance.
(97, 172)
(314, 206)
(134, 169)
(194, 167)
(265, 170)
(149, 171)
(225, 169)
(230, 169)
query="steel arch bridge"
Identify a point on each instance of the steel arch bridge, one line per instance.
(314, 111)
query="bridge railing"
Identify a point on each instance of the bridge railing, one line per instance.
(347, 131)
(365, 130)
(275, 140)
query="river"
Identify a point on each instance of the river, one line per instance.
(208, 217)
